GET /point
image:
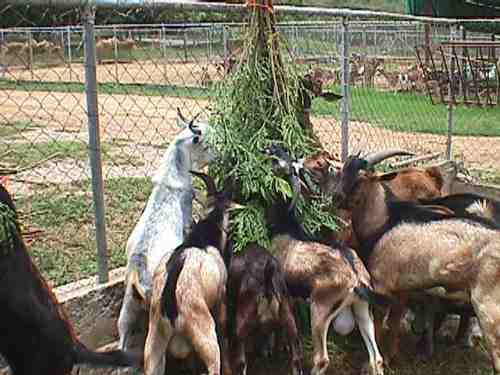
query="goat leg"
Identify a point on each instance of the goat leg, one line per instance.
(394, 324)
(244, 322)
(286, 315)
(129, 315)
(364, 320)
(223, 336)
(203, 337)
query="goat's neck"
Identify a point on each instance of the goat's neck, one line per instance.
(223, 243)
(174, 169)
(370, 213)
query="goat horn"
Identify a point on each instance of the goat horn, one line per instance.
(295, 191)
(209, 182)
(376, 157)
(335, 163)
(193, 127)
(180, 115)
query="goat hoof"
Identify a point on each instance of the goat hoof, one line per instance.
(368, 369)
(320, 368)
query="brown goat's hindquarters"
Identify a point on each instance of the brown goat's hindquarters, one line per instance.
(455, 254)
(420, 256)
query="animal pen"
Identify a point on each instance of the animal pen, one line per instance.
(86, 111)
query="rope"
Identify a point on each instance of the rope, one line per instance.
(254, 4)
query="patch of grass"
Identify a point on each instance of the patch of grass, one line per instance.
(108, 88)
(25, 154)
(410, 112)
(10, 130)
(66, 251)
(490, 177)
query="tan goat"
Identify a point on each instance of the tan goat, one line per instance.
(187, 288)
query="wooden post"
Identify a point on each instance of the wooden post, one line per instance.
(427, 42)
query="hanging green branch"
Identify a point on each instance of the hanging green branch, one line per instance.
(258, 105)
(7, 226)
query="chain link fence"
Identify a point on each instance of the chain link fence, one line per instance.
(144, 72)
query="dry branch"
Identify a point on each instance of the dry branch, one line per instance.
(405, 163)
(5, 171)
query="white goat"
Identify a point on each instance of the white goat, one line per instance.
(161, 228)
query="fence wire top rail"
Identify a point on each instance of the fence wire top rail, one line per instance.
(199, 5)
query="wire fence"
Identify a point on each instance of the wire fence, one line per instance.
(144, 72)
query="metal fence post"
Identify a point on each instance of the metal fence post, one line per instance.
(30, 53)
(94, 142)
(163, 44)
(184, 43)
(115, 53)
(345, 89)
(3, 65)
(225, 46)
(449, 137)
(68, 42)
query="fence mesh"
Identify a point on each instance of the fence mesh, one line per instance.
(146, 71)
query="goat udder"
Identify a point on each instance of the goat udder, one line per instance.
(344, 322)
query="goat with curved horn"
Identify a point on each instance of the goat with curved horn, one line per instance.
(377, 157)
(180, 115)
(193, 127)
(209, 182)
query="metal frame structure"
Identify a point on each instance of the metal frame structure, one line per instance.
(88, 18)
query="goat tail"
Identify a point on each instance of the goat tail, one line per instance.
(112, 358)
(274, 280)
(169, 301)
(373, 298)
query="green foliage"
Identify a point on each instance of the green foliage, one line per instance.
(255, 107)
(7, 225)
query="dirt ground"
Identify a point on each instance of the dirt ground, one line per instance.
(142, 122)
(139, 72)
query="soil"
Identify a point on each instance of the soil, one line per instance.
(139, 125)
(138, 72)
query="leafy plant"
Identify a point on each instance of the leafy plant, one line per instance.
(258, 105)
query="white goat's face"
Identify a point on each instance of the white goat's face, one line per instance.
(194, 139)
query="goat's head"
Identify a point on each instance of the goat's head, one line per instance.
(218, 199)
(219, 205)
(283, 164)
(324, 169)
(193, 137)
(357, 169)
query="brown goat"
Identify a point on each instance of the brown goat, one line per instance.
(406, 184)
(418, 247)
(187, 288)
(409, 184)
(334, 280)
(259, 302)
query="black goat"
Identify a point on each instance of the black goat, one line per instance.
(37, 338)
